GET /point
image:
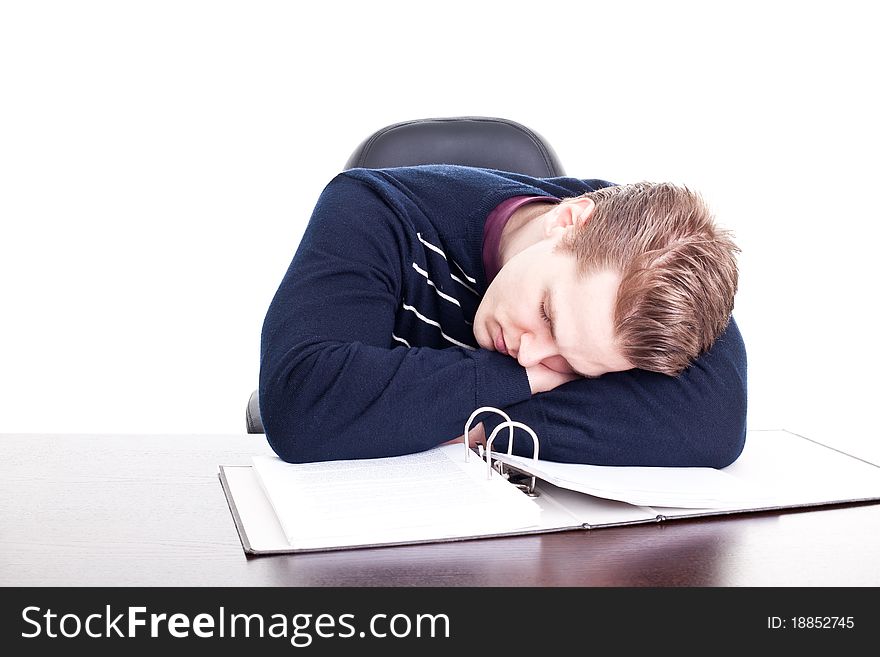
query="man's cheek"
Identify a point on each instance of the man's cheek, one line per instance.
(558, 364)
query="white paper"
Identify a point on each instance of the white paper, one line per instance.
(690, 488)
(424, 496)
(799, 471)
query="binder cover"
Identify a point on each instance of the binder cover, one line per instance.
(783, 470)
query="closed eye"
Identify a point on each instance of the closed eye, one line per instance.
(544, 315)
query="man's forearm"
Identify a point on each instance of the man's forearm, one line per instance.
(642, 418)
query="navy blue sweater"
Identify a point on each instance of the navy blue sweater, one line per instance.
(367, 348)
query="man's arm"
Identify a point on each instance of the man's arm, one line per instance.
(332, 386)
(643, 418)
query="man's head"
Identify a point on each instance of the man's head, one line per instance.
(627, 276)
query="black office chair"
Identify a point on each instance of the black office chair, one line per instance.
(477, 141)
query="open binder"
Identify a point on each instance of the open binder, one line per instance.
(455, 493)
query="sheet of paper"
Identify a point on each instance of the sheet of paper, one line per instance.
(694, 488)
(800, 471)
(588, 509)
(424, 496)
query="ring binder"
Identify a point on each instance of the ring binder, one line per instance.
(487, 453)
(305, 507)
(467, 426)
(511, 423)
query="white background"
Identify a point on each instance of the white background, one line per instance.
(159, 161)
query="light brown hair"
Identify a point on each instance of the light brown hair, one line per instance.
(678, 270)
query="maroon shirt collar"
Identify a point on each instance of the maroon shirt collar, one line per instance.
(495, 223)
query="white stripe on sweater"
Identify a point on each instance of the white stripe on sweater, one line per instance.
(463, 284)
(399, 339)
(471, 279)
(431, 283)
(437, 249)
(433, 323)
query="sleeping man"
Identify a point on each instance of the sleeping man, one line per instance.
(597, 314)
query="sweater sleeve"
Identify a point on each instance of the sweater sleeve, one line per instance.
(332, 385)
(642, 418)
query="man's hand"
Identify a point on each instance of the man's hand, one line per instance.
(542, 378)
(476, 436)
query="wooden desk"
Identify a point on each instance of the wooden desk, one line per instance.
(84, 510)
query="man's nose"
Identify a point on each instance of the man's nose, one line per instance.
(533, 349)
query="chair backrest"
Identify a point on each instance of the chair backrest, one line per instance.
(477, 141)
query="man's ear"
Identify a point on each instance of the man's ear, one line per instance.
(582, 210)
(570, 212)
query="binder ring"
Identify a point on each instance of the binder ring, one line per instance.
(511, 424)
(467, 426)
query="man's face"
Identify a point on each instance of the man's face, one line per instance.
(539, 310)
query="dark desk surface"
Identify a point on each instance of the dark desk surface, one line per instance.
(82, 510)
